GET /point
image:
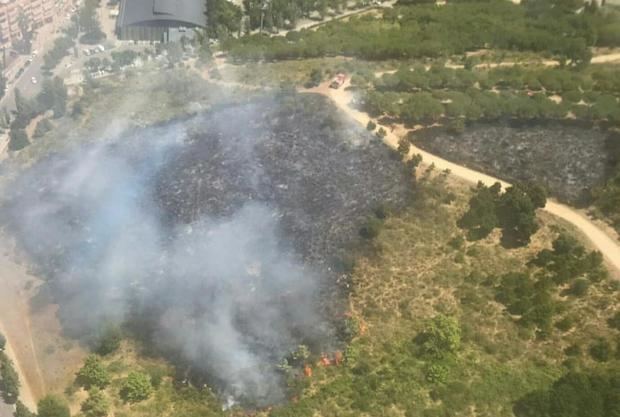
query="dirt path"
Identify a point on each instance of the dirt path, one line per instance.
(603, 59)
(608, 245)
(25, 392)
(15, 325)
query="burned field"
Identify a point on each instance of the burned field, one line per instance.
(322, 176)
(213, 240)
(567, 159)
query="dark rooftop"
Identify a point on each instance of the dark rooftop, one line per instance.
(162, 13)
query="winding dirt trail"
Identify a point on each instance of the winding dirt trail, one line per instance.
(602, 240)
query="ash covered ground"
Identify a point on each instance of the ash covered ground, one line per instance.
(568, 160)
(213, 238)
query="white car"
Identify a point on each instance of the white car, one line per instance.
(34, 80)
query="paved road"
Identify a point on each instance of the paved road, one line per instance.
(43, 42)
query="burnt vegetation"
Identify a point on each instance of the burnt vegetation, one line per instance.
(235, 222)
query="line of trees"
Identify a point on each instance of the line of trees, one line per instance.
(429, 31)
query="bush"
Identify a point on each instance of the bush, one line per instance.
(2, 342)
(456, 242)
(441, 336)
(18, 139)
(456, 126)
(9, 381)
(371, 228)
(403, 147)
(566, 323)
(613, 322)
(157, 374)
(110, 340)
(381, 133)
(574, 395)
(22, 411)
(96, 405)
(93, 373)
(600, 351)
(436, 373)
(137, 387)
(481, 218)
(572, 350)
(42, 128)
(371, 125)
(579, 288)
(53, 406)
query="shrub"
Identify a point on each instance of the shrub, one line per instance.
(600, 351)
(456, 126)
(22, 411)
(93, 373)
(53, 406)
(42, 128)
(565, 324)
(371, 228)
(613, 322)
(456, 242)
(572, 350)
(441, 336)
(18, 139)
(157, 374)
(436, 373)
(381, 133)
(403, 147)
(579, 288)
(9, 381)
(96, 405)
(371, 125)
(137, 387)
(110, 340)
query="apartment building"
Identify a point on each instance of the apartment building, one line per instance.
(38, 12)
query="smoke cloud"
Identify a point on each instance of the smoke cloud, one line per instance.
(226, 294)
(211, 238)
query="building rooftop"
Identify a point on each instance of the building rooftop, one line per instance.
(162, 13)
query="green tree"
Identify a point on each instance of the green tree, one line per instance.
(136, 387)
(441, 336)
(93, 373)
(614, 321)
(43, 126)
(574, 395)
(2, 342)
(481, 217)
(9, 380)
(53, 406)
(600, 350)
(536, 192)
(403, 147)
(96, 405)
(568, 259)
(110, 340)
(22, 411)
(18, 139)
(223, 18)
(517, 217)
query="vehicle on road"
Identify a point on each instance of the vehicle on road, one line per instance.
(338, 80)
(34, 80)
